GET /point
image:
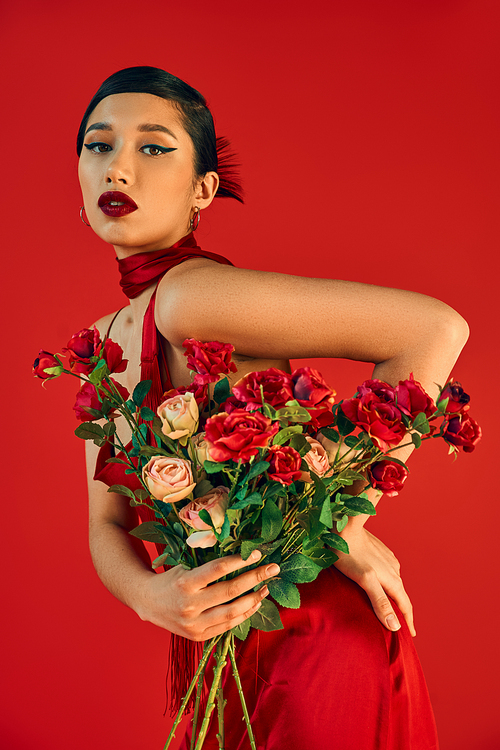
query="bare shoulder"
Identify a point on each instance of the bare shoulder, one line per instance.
(104, 323)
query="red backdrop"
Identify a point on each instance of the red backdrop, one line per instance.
(368, 136)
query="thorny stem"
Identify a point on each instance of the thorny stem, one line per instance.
(201, 667)
(199, 688)
(211, 696)
(236, 675)
(220, 703)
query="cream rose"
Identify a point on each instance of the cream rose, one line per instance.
(168, 478)
(215, 503)
(201, 449)
(179, 416)
(317, 460)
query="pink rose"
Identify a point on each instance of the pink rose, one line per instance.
(276, 384)
(238, 435)
(458, 399)
(412, 399)
(381, 420)
(168, 478)
(387, 476)
(215, 503)
(208, 359)
(285, 464)
(46, 361)
(179, 416)
(317, 460)
(201, 449)
(463, 431)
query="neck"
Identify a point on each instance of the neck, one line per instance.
(126, 251)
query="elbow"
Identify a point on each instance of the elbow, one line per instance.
(453, 330)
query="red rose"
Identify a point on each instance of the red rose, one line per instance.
(312, 392)
(387, 476)
(46, 361)
(112, 353)
(412, 399)
(285, 464)
(209, 359)
(463, 431)
(381, 420)
(277, 386)
(81, 347)
(380, 388)
(87, 397)
(232, 403)
(238, 435)
(458, 399)
(199, 391)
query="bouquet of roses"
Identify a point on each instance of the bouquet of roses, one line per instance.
(265, 465)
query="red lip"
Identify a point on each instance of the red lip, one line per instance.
(115, 196)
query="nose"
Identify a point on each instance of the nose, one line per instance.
(120, 169)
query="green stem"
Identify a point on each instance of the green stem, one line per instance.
(220, 703)
(236, 675)
(201, 667)
(199, 688)
(211, 696)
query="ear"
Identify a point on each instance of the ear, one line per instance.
(206, 187)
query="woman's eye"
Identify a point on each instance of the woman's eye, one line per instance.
(98, 147)
(153, 150)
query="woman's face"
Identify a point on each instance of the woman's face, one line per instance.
(137, 153)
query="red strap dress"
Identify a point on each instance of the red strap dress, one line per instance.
(334, 678)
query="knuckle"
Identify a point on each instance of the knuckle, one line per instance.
(221, 568)
(232, 589)
(383, 604)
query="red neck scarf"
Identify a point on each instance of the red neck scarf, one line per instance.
(138, 272)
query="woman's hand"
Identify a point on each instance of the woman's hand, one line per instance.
(375, 568)
(191, 603)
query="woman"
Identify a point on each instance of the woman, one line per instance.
(342, 673)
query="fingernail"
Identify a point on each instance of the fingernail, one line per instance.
(392, 622)
(256, 555)
(272, 570)
(264, 591)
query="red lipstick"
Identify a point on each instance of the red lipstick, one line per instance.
(116, 204)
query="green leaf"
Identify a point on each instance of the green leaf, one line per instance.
(248, 546)
(293, 412)
(283, 435)
(140, 392)
(203, 488)
(141, 493)
(99, 373)
(146, 414)
(342, 523)
(267, 548)
(344, 425)
(416, 439)
(300, 444)
(421, 424)
(335, 541)
(255, 469)
(324, 557)
(152, 450)
(120, 489)
(269, 411)
(162, 560)
(267, 618)
(93, 412)
(272, 521)
(242, 630)
(207, 518)
(331, 434)
(149, 532)
(211, 467)
(299, 569)
(326, 513)
(441, 405)
(352, 441)
(224, 532)
(253, 499)
(348, 476)
(319, 489)
(89, 431)
(284, 592)
(109, 428)
(116, 461)
(221, 390)
(359, 504)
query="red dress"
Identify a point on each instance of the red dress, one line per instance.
(334, 678)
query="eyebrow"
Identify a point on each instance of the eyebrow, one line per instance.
(145, 128)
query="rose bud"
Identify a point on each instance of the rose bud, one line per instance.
(46, 361)
(285, 464)
(387, 476)
(458, 399)
(317, 460)
(463, 431)
(201, 449)
(214, 502)
(179, 416)
(168, 478)
(81, 347)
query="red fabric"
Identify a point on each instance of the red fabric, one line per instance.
(333, 679)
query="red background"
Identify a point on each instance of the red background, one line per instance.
(369, 139)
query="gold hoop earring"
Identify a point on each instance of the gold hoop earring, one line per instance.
(82, 209)
(195, 219)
